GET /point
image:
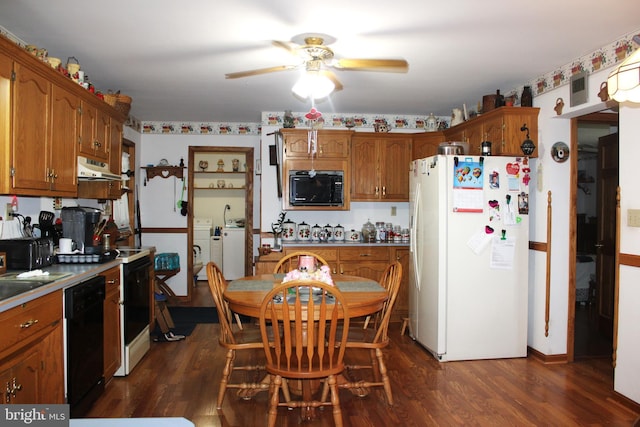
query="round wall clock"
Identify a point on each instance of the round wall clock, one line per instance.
(560, 152)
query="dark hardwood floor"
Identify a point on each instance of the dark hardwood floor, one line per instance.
(181, 379)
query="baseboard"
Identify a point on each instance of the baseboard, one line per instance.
(547, 359)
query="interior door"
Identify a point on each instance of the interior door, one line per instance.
(606, 235)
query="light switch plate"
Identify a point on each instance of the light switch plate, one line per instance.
(633, 217)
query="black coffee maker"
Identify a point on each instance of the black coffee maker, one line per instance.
(80, 225)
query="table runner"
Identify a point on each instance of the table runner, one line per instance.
(265, 285)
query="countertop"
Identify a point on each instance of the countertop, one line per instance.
(295, 243)
(79, 273)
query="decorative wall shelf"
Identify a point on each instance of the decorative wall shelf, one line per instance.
(163, 172)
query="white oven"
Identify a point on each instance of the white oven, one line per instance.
(135, 293)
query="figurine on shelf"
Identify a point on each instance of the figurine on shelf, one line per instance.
(203, 165)
(235, 164)
(220, 165)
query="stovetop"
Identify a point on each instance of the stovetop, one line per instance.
(131, 254)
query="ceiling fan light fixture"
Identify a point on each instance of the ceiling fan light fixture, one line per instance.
(623, 83)
(314, 85)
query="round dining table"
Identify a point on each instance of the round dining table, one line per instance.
(362, 296)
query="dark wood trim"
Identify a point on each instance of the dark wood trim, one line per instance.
(538, 246)
(634, 406)
(632, 260)
(167, 230)
(547, 359)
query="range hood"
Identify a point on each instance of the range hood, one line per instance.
(93, 170)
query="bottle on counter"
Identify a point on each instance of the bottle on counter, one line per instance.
(382, 232)
(397, 234)
(388, 232)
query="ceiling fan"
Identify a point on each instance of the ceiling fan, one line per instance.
(314, 56)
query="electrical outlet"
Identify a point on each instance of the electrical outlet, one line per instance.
(394, 211)
(7, 212)
(633, 217)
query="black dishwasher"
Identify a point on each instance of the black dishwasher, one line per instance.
(84, 311)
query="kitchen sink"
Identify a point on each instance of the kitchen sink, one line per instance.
(11, 285)
(11, 288)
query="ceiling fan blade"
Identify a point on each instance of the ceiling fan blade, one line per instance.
(284, 45)
(331, 76)
(385, 65)
(258, 71)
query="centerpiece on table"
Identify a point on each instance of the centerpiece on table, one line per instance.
(308, 270)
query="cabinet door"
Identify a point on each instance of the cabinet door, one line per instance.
(333, 145)
(513, 136)
(426, 144)
(330, 144)
(364, 261)
(370, 269)
(365, 183)
(474, 137)
(401, 308)
(492, 129)
(103, 128)
(64, 136)
(6, 70)
(112, 355)
(88, 118)
(19, 378)
(31, 142)
(394, 159)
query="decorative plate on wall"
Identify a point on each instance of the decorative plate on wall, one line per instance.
(560, 152)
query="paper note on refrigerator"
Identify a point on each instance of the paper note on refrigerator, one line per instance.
(479, 241)
(503, 252)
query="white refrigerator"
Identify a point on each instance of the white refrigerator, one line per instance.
(469, 227)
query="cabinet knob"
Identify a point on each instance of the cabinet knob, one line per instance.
(384, 190)
(112, 281)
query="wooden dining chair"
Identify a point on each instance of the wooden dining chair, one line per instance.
(375, 341)
(304, 327)
(290, 261)
(247, 339)
(387, 278)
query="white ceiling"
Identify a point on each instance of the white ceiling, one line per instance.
(171, 56)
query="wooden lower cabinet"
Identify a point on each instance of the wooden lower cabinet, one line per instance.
(402, 302)
(368, 261)
(112, 354)
(31, 356)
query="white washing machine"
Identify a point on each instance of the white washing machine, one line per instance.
(202, 231)
(233, 253)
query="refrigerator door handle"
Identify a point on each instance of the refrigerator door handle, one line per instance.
(412, 239)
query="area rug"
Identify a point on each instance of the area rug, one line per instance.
(186, 319)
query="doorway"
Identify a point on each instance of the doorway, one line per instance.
(596, 164)
(221, 192)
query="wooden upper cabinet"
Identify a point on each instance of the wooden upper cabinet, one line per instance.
(46, 121)
(426, 144)
(364, 168)
(94, 132)
(380, 166)
(64, 134)
(501, 127)
(330, 145)
(31, 145)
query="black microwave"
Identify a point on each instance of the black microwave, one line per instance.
(316, 188)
